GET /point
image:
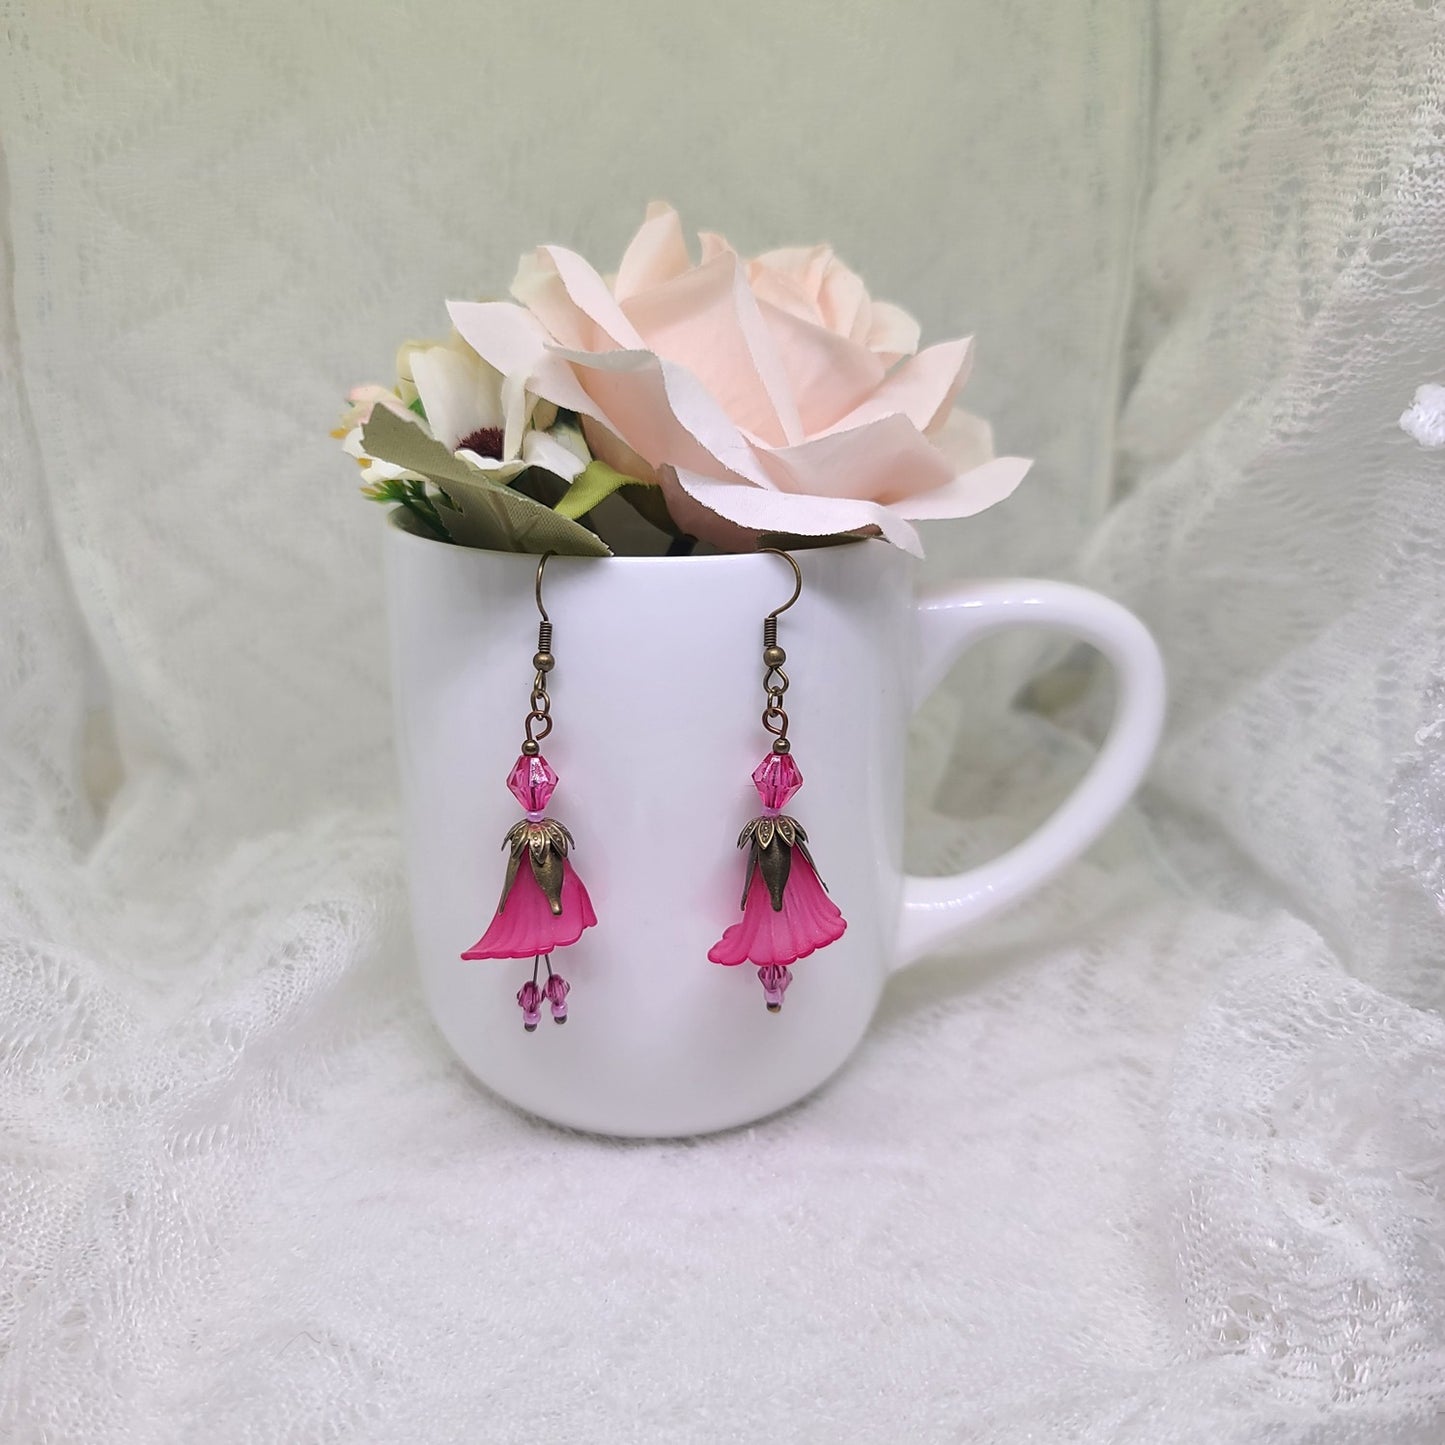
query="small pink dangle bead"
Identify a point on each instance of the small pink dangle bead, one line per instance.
(775, 978)
(529, 1000)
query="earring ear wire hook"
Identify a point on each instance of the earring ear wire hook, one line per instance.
(542, 567)
(797, 580)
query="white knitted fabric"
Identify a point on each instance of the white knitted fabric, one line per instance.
(1158, 1158)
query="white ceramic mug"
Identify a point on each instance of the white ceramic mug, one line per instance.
(656, 696)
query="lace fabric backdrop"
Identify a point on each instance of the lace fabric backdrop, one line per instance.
(1157, 1158)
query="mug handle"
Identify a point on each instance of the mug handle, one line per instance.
(936, 910)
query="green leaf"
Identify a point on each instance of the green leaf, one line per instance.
(651, 505)
(594, 483)
(403, 443)
(503, 520)
(491, 515)
(416, 501)
(387, 491)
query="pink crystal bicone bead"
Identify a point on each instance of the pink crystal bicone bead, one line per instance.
(532, 782)
(777, 778)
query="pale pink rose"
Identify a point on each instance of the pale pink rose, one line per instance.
(771, 395)
(810, 282)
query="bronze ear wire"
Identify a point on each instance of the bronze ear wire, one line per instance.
(775, 680)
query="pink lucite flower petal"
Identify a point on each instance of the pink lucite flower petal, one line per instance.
(532, 782)
(557, 990)
(777, 778)
(529, 1000)
(775, 979)
(808, 920)
(526, 925)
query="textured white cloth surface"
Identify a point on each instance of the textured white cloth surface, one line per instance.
(1156, 1159)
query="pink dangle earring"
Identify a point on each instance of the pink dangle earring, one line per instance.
(787, 913)
(543, 905)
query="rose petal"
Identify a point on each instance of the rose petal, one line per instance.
(660, 410)
(830, 375)
(790, 279)
(843, 300)
(657, 253)
(785, 294)
(607, 447)
(969, 493)
(757, 510)
(965, 439)
(883, 461)
(538, 286)
(892, 332)
(708, 321)
(805, 266)
(502, 333)
(713, 246)
(572, 301)
(922, 388)
(515, 343)
(693, 519)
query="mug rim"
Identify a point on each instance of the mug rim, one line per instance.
(398, 518)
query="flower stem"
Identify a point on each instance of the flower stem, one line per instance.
(426, 513)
